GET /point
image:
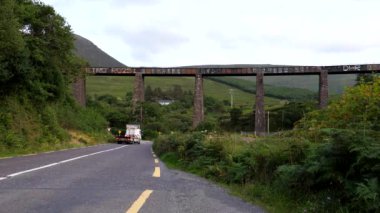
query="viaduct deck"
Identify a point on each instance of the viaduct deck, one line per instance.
(233, 70)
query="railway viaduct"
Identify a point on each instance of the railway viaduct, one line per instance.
(198, 72)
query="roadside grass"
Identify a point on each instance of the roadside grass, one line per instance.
(245, 168)
(265, 196)
(77, 139)
(118, 86)
(29, 129)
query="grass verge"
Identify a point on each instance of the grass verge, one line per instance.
(77, 140)
(265, 196)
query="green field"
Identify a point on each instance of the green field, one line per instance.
(337, 83)
(119, 85)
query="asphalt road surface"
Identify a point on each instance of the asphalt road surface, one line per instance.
(107, 178)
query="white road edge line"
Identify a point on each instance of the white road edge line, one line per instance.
(18, 156)
(31, 170)
(57, 163)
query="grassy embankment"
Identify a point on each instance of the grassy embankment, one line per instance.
(26, 128)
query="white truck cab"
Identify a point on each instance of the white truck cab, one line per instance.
(133, 133)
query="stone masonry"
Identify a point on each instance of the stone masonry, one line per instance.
(323, 89)
(198, 101)
(138, 90)
(79, 90)
(260, 111)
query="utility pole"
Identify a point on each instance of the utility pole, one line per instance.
(232, 97)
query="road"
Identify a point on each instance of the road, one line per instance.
(107, 178)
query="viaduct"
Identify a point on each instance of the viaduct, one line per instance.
(198, 72)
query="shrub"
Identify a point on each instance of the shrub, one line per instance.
(346, 165)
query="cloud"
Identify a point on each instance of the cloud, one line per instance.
(168, 32)
(340, 48)
(145, 43)
(133, 2)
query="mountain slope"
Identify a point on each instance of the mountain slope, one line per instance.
(93, 54)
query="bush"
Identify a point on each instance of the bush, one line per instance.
(215, 158)
(346, 165)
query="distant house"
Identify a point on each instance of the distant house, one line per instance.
(165, 102)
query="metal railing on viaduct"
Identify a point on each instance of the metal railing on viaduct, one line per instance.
(224, 70)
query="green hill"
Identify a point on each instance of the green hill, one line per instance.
(286, 93)
(119, 85)
(96, 57)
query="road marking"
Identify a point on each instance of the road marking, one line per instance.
(156, 161)
(57, 163)
(31, 170)
(157, 172)
(30, 154)
(48, 152)
(136, 206)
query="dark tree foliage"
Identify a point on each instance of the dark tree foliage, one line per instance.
(365, 78)
(174, 93)
(13, 56)
(235, 114)
(36, 51)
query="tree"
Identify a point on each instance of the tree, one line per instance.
(13, 55)
(235, 114)
(157, 93)
(177, 92)
(36, 51)
(365, 78)
(149, 93)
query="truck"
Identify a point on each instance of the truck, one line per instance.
(132, 134)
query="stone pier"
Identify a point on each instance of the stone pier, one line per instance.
(138, 90)
(198, 101)
(260, 111)
(79, 90)
(323, 89)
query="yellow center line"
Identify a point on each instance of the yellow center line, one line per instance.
(157, 172)
(136, 206)
(156, 161)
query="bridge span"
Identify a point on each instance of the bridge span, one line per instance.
(224, 70)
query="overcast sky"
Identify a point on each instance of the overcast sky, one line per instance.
(191, 32)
